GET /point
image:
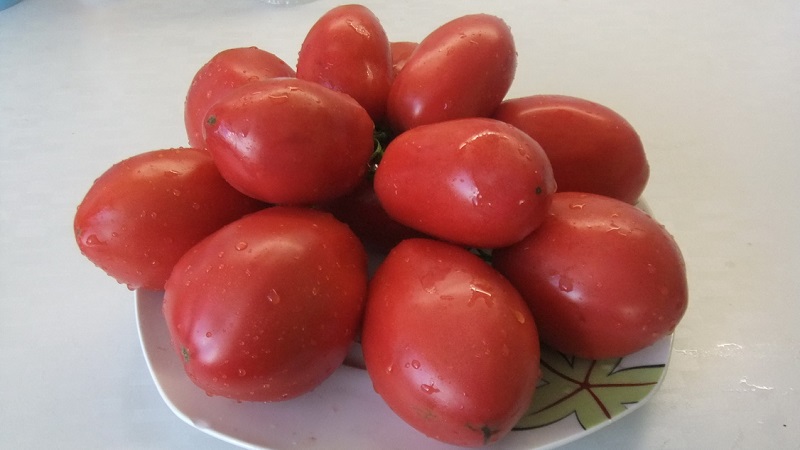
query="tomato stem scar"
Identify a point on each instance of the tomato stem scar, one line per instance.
(185, 353)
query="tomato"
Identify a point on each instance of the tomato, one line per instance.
(290, 141)
(226, 71)
(602, 278)
(401, 51)
(363, 213)
(477, 182)
(592, 148)
(144, 213)
(266, 308)
(449, 344)
(347, 50)
(462, 69)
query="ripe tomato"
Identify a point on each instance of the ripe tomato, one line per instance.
(477, 182)
(347, 50)
(290, 141)
(462, 69)
(266, 308)
(602, 278)
(592, 148)
(449, 344)
(144, 213)
(401, 51)
(226, 71)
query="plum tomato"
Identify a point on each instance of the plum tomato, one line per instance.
(347, 50)
(226, 71)
(602, 277)
(266, 308)
(145, 212)
(449, 344)
(401, 51)
(462, 69)
(476, 182)
(591, 147)
(290, 141)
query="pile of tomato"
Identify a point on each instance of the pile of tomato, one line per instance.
(496, 224)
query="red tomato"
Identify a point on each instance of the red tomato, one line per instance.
(462, 69)
(602, 278)
(592, 148)
(226, 71)
(290, 141)
(401, 51)
(266, 308)
(449, 344)
(477, 182)
(363, 213)
(144, 213)
(347, 50)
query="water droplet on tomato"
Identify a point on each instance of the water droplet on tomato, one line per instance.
(242, 372)
(209, 334)
(429, 388)
(480, 293)
(93, 240)
(565, 283)
(576, 205)
(519, 316)
(415, 364)
(273, 297)
(241, 246)
(176, 192)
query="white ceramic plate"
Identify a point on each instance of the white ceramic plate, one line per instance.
(575, 398)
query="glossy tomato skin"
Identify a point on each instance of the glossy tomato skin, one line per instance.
(449, 343)
(462, 69)
(290, 141)
(591, 147)
(142, 214)
(347, 50)
(602, 277)
(476, 182)
(226, 71)
(266, 308)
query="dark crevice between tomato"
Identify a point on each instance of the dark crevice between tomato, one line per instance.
(381, 138)
(483, 253)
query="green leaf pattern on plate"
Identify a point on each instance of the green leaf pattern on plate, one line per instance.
(594, 390)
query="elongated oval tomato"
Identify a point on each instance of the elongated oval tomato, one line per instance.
(591, 147)
(144, 213)
(462, 69)
(347, 50)
(226, 71)
(476, 182)
(266, 308)
(602, 278)
(290, 141)
(449, 343)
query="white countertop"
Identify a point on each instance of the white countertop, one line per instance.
(713, 88)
